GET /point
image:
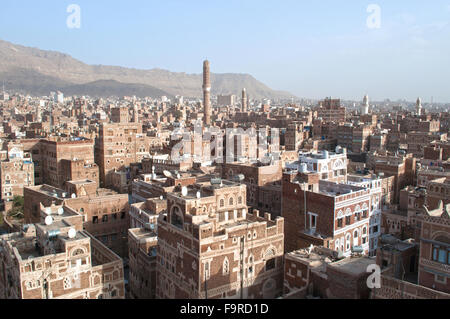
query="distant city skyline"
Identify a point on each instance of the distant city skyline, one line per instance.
(311, 50)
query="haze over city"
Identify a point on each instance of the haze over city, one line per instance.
(310, 49)
(194, 154)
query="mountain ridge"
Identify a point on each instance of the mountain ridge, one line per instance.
(63, 68)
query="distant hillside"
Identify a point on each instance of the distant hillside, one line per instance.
(40, 72)
(106, 88)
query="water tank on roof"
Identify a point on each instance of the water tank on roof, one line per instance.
(303, 168)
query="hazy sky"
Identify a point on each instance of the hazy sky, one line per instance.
(311, 48)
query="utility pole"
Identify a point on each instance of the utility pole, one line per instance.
(304, 200)
(242, 266)
(206, 287)
(206, 282)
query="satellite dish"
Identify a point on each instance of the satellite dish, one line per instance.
(199, 195)
(72, 233)
(74, 196)
(153, 168)
(48, 211)
(48, 220)
(184, 191)
(167, 174)
(60, 211)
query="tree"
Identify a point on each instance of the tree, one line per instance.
(178, 114)
(16, 211)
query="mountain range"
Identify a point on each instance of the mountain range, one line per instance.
(38, 72)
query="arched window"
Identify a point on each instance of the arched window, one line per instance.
(67, 283)
(78, 252)
(270, 259)
(240, 200)
(222, 203)
(251, 266)
(231, 201)
(226, 267)
(347, 242)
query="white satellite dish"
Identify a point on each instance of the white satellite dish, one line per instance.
(184, 191)
(199, 195)
(60, 211)
(178, 176)
(161, 197)
(48, 220)
(74, 196)
(167, 174)
(48, 211)
(72, 233)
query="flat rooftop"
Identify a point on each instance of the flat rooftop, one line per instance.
(82, 182)
(354, 266)
(205, 189)
(333, 189)
(142, 233)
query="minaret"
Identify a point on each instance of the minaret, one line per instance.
(244, 100)
(419, 106)
(135, 113)
(206, 94)
(365, 105)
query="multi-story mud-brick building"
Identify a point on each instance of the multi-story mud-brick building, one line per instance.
(58, 260)
(209, 246)
(434, 262)
(118, 146)
(52, 153)
(326, 214)
(142, 245)
(331, 166)
(105, 212)
(263, 184)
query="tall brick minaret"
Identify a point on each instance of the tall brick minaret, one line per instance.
(206, 94)
(244, 100)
